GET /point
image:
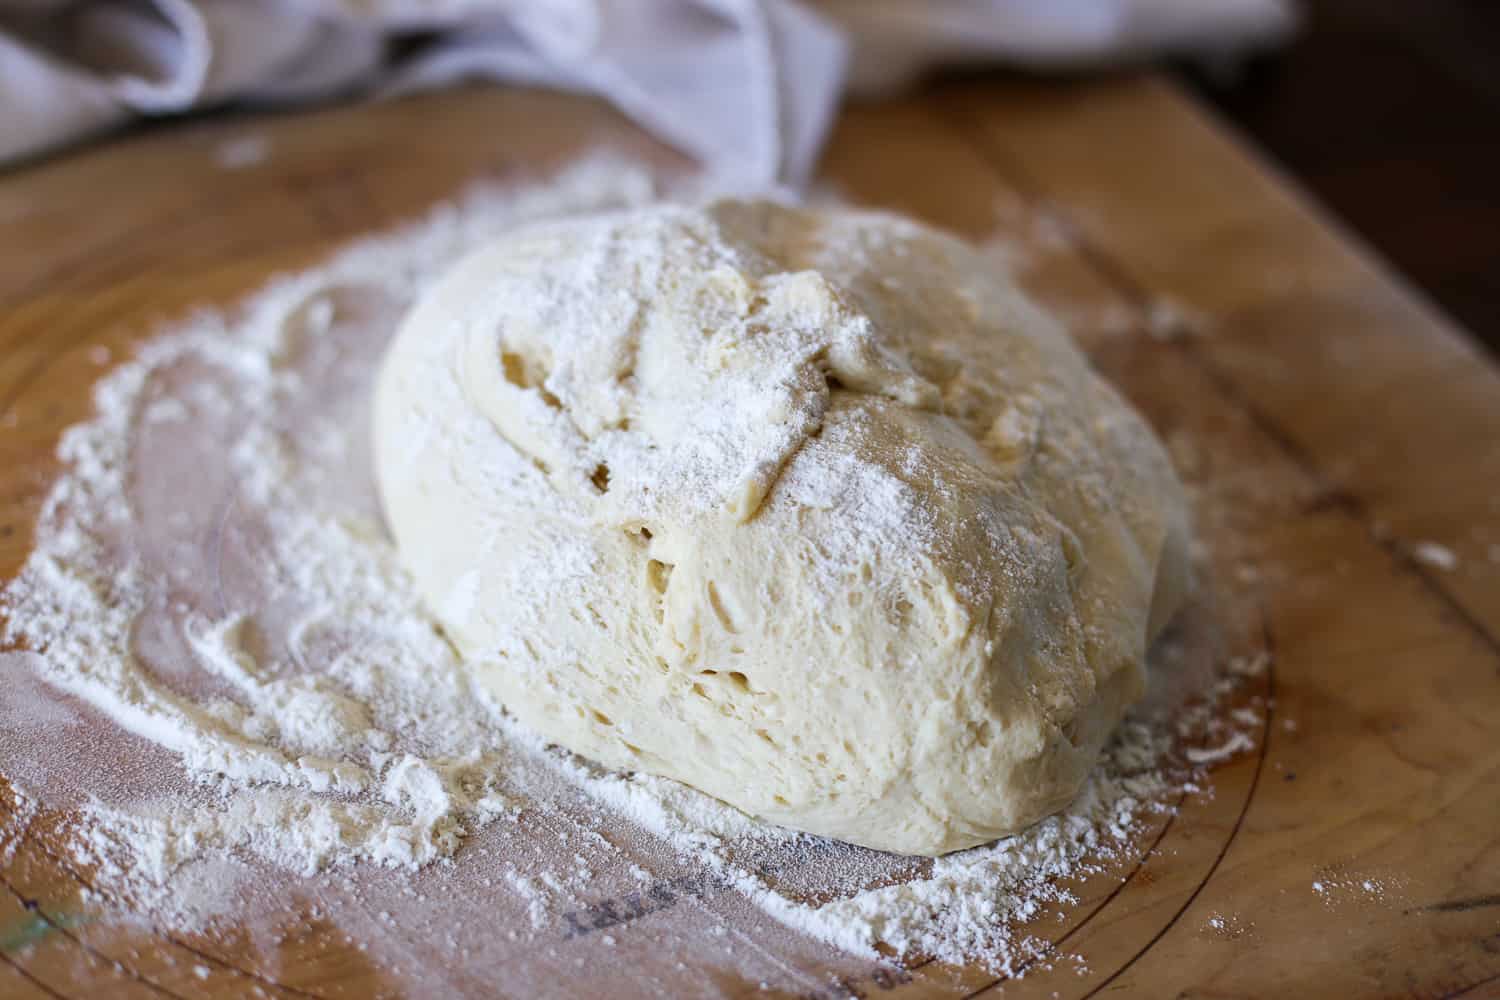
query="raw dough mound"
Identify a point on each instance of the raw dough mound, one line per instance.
(808, 509)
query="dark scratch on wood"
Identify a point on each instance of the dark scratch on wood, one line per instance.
(1457, 905)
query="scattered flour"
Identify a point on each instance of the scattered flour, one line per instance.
(1435, 555)
(1165, 320)
(224, 679)
(1338, 886)
(1237, 743)
(242, 152)
(1223, 925)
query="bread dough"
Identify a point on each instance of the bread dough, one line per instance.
(809, 509)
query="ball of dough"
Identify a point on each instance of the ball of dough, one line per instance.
(809, 509)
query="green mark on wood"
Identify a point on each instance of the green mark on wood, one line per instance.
(31, 928)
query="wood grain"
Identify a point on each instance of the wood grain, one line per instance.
(1327, 418)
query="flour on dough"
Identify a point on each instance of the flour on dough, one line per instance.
(809, 509)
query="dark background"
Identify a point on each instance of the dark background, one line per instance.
(1389, 112)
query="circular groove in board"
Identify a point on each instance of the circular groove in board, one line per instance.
(56, 395)
(1112, 884)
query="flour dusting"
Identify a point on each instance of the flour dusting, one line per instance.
(223, 679)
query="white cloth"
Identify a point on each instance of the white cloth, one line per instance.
(747, 86)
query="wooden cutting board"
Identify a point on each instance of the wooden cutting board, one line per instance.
(1330, 420)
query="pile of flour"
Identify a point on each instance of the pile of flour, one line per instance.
(224, 678)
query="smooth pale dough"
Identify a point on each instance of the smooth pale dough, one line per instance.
(809, 509)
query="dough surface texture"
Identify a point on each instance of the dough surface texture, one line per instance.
(809, 509)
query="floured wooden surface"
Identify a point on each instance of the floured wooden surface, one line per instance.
(1366, 810)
